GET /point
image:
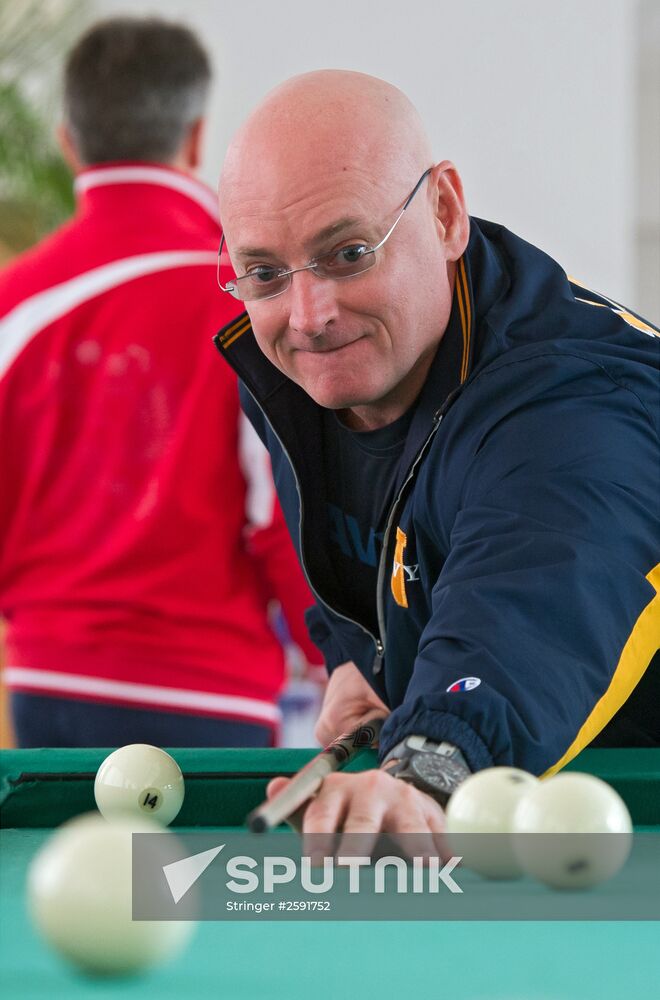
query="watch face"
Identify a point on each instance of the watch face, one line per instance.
(440, 773)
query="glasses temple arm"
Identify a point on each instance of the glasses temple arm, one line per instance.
(407, 202)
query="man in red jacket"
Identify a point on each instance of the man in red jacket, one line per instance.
(141, 539)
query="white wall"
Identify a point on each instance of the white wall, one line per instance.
(648, 151)
(534, 100)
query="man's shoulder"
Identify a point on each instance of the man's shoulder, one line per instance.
(39, 267)
(532, 313)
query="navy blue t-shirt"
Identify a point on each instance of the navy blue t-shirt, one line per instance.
(360, 474)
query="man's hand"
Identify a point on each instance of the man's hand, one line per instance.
(369, 803)
(349, 700)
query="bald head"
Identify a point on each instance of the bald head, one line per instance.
(319, 173)
(331, 121)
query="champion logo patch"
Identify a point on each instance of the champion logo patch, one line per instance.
(465, 684)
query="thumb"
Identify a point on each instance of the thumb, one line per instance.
(329, 727)
(275, 786)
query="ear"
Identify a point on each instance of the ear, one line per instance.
(190, 154)
(68, 148)
(452, 220)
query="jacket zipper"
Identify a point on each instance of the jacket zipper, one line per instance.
(380, 610)
(378, 641)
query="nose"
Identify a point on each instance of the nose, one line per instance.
(312, 303)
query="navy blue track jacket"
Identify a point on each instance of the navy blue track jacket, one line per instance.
(518, 605)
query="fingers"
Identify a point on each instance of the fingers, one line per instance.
(361, 807)
(436, 821)
(324, 815)
(351, 812)
(365, 815)
(418, 829)
(324, 728)
(275, 786)
(332, 724)
(345, 818)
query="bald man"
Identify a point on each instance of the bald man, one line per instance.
(465, 443)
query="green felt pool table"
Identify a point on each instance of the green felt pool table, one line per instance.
(469, 960)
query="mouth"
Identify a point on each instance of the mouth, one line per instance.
(329, 349)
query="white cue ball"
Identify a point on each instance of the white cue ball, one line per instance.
(484, 804)
(587, 826)
(139, 780)
(80, 898)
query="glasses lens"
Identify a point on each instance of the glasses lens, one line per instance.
(346, 262)
(262, 284)
(233, 289)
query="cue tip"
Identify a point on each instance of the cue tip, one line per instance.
(256, 822)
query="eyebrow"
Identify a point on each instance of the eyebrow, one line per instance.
(348, 222)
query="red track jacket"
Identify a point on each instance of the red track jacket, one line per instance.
(140, 540)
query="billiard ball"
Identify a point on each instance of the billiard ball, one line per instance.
(139, 780)
(572, 831)
(80, 898)
(479, 816)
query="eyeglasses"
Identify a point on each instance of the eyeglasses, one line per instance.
(264, 282)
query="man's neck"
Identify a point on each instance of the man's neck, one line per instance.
(385, 411)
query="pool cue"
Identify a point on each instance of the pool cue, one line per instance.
(310, 778)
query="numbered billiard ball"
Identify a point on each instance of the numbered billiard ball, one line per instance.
(479, 820)
(139, 780)
(572, 831)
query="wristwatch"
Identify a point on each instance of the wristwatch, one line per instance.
(435, 768)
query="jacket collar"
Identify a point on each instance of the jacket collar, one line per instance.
(449, 369)
(112, 175)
